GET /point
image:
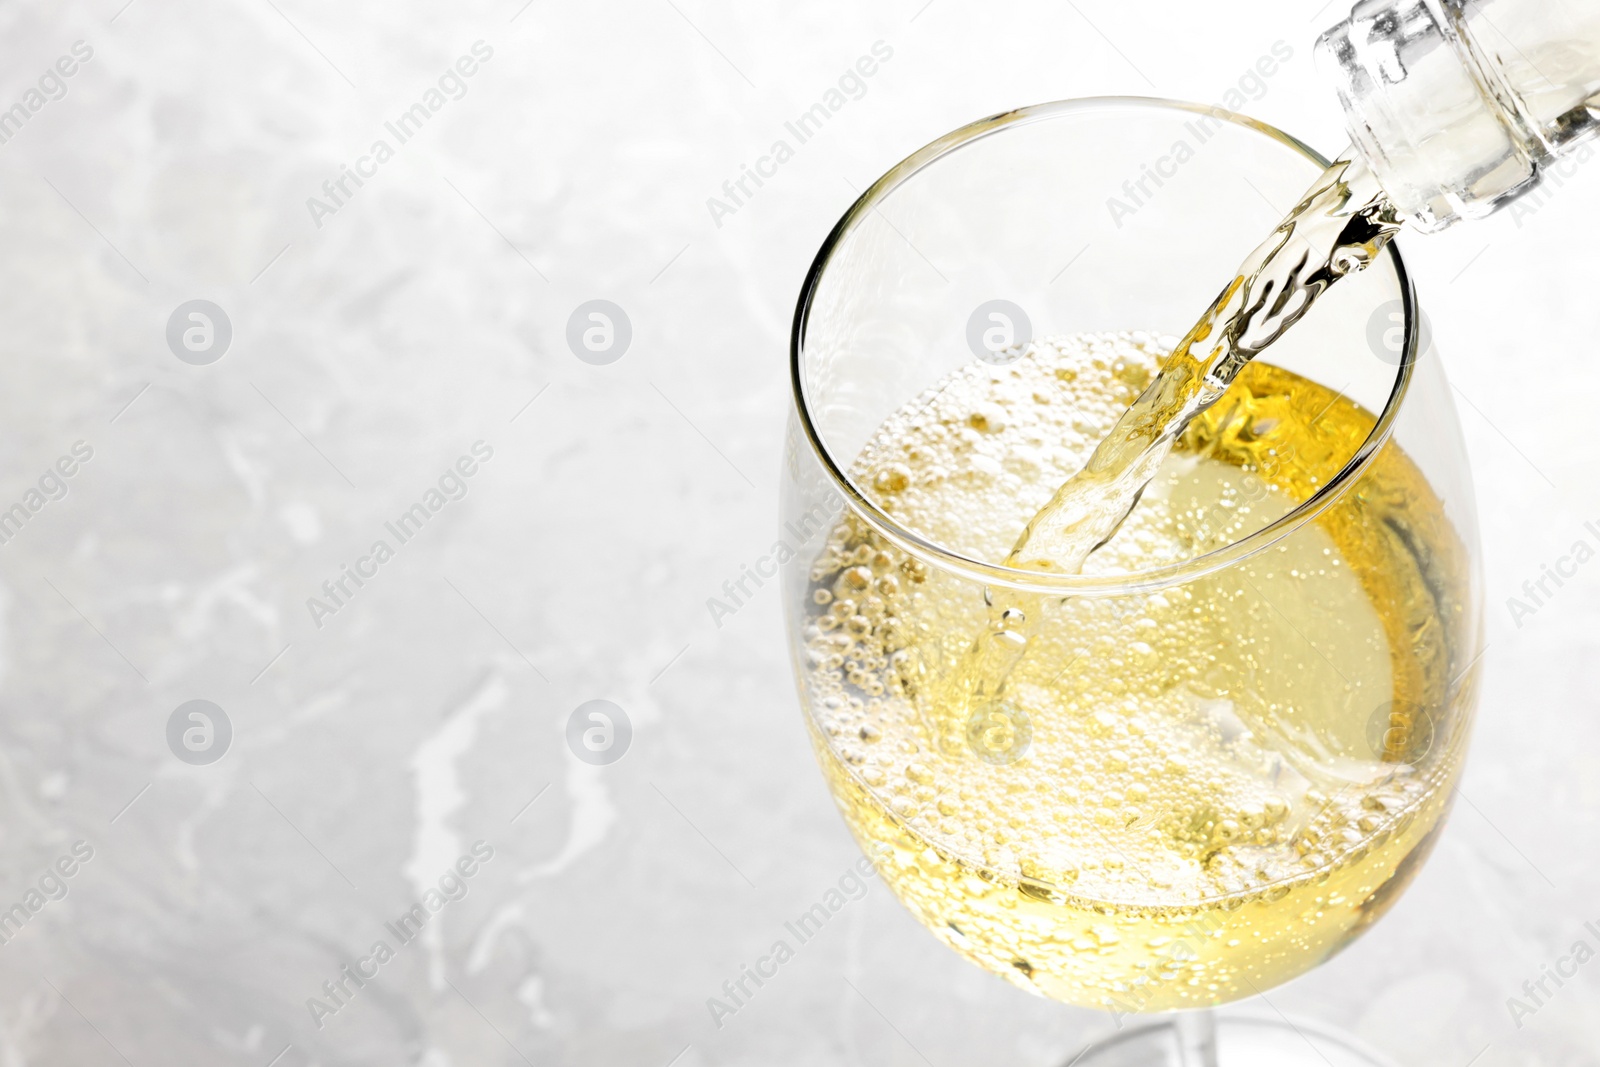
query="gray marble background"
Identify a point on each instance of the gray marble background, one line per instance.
(428, 313)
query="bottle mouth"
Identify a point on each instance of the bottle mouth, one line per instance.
(1446, 135)
(1048, 583)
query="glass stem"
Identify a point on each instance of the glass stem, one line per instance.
(1197, 1038)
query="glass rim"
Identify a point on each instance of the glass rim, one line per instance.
(1044, 582)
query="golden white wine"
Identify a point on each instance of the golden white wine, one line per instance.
(1173, 798)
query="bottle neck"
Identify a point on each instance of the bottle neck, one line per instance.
(1460, 106)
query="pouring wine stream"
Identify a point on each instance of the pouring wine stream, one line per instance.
(1341, 224)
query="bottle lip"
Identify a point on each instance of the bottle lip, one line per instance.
(1380, 97)
(1374, 124)
(1046, 583)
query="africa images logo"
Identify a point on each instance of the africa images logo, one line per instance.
(599, 732)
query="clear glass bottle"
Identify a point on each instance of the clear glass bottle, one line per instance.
(1462, 106)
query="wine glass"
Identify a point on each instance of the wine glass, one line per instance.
(1231, 741)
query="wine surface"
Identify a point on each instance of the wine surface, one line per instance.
(1175, 798)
